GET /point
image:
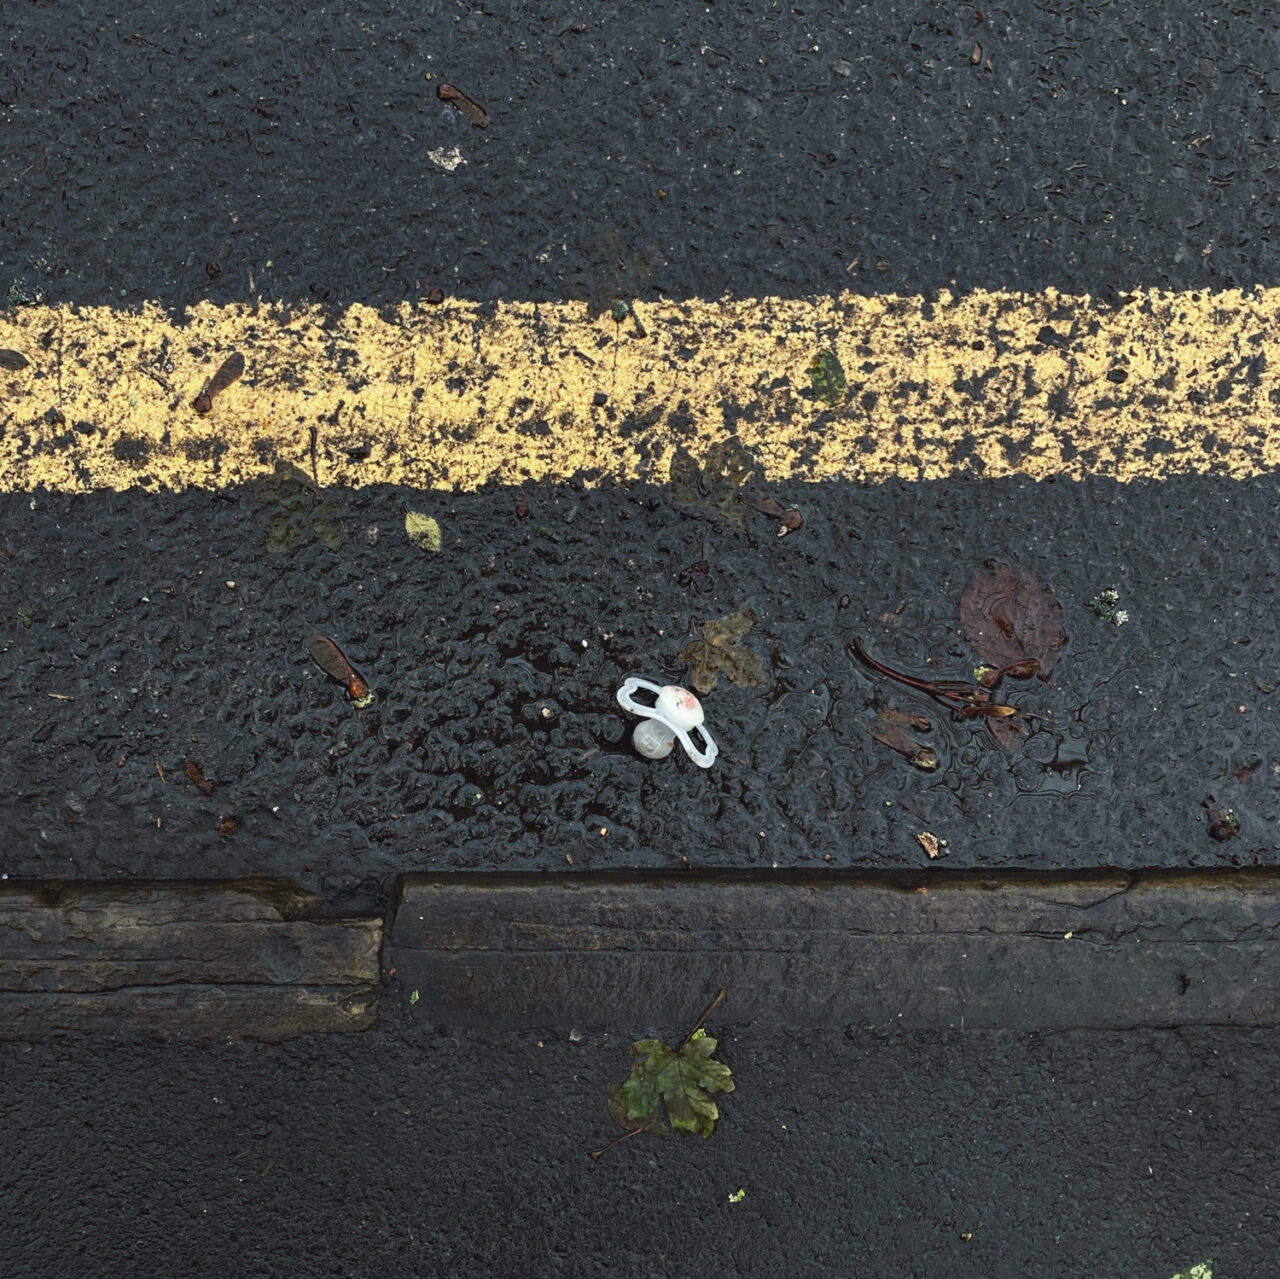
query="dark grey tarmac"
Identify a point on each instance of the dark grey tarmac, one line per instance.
(419, 1150)
(496, 742)
(632, 151)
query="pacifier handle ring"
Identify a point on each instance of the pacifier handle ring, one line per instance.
(702, 756)
(628, 702)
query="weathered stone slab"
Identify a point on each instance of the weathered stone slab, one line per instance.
(1021, 953)
(241, 959)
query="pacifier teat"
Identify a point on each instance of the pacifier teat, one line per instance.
(671, 714)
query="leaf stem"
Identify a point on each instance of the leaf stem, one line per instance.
(706, 1012)
(617, 1141)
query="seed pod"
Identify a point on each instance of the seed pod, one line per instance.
(333, 661)
(231, 369)
(456, 98)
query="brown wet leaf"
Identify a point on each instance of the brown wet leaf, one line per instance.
(788, 517)
(1007, 732)
(1223, 824)
(889, 715)
(891, 731)
(197, 778)
(1011, 617)
(230, 370)
(469, 107)
(717, 650)
(333, 661)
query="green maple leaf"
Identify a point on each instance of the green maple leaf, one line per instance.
(682, 1080)
(618, 1113)
(717, 650)
(715, 483)
(303, 511)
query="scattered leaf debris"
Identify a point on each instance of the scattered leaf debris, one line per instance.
(965, 700)
(1009, 616)
(333, 661)
(226, 827)
(715, 485)
(1223, 823)
(677, 1081)
(931, 844)
(20, 293)
(1106, 605)
(423, 531)
(788, 517)
(717, 650)
(696, 576)
(448, 161)
(14, 361)
(195, 775)
(827, 375)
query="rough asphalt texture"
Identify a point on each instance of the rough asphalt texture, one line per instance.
(1090, 150)
(421, 1151)
(496, 742)
(689, 150)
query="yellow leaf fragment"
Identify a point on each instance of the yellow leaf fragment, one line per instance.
(422, 531)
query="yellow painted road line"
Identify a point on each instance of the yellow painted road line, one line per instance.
(457, 395)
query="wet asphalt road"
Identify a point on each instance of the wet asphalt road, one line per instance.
(420, 1151)
(628, 154)
(495, 741)
(687, 151)
(692, 149)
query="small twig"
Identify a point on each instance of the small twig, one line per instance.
(23, 174)
(967, 701)
(710, 1008)
(155, 377)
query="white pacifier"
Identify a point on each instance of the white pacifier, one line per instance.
(673, 713)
